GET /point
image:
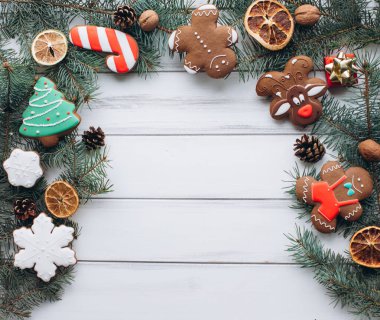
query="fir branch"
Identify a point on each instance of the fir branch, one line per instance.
(343, 279)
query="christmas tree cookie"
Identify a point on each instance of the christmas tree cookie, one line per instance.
(49, 116)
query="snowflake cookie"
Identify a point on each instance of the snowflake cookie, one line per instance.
(206, 43)
(337, 194)
(44, 247)
(23, 168)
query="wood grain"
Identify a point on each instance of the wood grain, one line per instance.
(120, 291)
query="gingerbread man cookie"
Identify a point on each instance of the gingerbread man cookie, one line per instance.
(294, 95)
(206, 43)
(337, 194)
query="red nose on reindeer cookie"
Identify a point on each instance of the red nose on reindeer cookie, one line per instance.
(294, 95)
(206, 43)
(337, 194)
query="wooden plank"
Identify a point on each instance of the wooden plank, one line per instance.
(189, 231)
(178, 103)
(163, 292)
(249, 167)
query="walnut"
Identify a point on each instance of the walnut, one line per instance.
(149, 20)
(307, 15)
(369, 150)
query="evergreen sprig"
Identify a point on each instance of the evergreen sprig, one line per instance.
(343, 125)
(21, 290)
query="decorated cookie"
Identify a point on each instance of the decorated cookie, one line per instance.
(206, 43)
(48, 116)
(337, 194)
(294, 94)
(123, 46)
(23, 168)
(44, 247)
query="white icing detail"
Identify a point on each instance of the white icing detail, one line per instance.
(209, 51)
(171, 40)
(206, 13)
(322, 223)
(23, 168)
(331, 169)
(48, 125)
(232, 37)
(125, 49)
(111, 64)
(362, 185)
(83, 35)
(287, 77)
(283, 109)
(205, 46)
(44, 247)
(351, 214)
(196, 33)
(218, 56)
(201, 41)
(198, 37)
(296, 101)
(294, 61)
(103, 40)
(353, 184)
(223, 61)
(278, 94)
(305, 190)
(207, 7)
(268, 76)
(191, 71)
(302, 97)
(37, 131)
(359, 179)
(315, 90)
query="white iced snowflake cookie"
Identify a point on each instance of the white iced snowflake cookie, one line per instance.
(44, 247)
(23, 168)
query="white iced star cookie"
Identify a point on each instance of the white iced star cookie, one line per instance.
(23, 168)
(44, 247)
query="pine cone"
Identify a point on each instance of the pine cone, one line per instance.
(24, 208)
(93, 138)
(125, 17)
(309, 149)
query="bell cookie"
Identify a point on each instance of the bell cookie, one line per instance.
(337, 194)
(294, 94)
(23, 168)
(49, 115)
(206, 43)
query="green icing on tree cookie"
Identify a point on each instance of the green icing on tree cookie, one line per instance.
(48, 112)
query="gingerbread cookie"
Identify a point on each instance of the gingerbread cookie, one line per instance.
(294, 95)
(206, 43)
(49, 115)
(44, 247)
(23, 168)
(337, 194)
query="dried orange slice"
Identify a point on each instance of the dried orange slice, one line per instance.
(270, 23)
(61, 199)
(49, 47)
(365, 247)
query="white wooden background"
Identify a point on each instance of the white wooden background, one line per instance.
(195, 226)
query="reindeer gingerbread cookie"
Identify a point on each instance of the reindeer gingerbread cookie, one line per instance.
(206, 43)
(337, 194)
(294, 94)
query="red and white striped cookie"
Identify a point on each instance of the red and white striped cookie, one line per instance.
(123, 46)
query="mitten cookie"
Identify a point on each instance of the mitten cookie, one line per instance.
(294, 94)
(49, 115)
(206, 43)
(338, 193)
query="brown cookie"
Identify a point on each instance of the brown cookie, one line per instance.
(294, 95)
(338, 193)
(206, 43)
